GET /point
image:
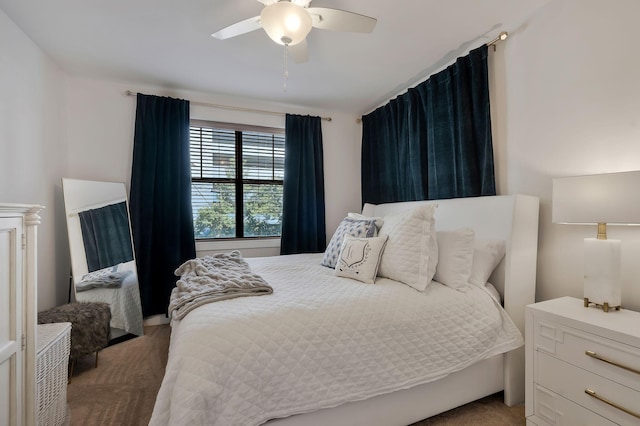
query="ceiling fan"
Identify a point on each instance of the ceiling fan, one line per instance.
(288, 22)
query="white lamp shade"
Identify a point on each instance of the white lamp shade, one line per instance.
(286, 23)
(612, 198)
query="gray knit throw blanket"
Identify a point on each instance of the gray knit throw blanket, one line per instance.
(211, 279)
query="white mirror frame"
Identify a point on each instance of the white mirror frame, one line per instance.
(81, 195)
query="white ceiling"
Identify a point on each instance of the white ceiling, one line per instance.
(168, 43)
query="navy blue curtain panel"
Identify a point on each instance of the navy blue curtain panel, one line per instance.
(303, 215)
(434, 141)
(106, 236)
(160, 197)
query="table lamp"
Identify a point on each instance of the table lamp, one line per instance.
(614, 199)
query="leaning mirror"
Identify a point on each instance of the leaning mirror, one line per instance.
(103, 265)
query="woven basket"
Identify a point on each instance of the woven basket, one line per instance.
(54, 343)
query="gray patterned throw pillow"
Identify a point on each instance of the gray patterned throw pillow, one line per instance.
(348, 226)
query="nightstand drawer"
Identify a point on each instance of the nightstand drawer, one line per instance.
(552, 409)
(571, 382)
(614, 360)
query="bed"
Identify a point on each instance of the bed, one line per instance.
(330, 350)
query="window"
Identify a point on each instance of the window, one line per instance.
(236, 180)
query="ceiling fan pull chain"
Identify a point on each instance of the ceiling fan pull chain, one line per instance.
(286, 70)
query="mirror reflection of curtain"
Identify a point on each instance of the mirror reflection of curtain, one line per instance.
(106, 236)
(434, 141)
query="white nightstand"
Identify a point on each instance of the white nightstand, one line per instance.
(582, 364)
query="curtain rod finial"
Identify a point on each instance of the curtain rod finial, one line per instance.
(501, 37)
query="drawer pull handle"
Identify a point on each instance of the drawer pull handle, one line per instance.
(608, 361)
(593, 394)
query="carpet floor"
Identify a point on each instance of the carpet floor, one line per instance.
(121, 391)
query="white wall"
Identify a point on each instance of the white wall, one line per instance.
(566, 101)
(53, 125)
(567, 88)
(32, 100)
(100, 124)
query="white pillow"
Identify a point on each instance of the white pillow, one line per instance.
(455, 257)
(348, 226)
(486, 256)
(378, 220)
(359, 258)
(411, 253)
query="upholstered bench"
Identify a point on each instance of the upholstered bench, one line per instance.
(90, 330)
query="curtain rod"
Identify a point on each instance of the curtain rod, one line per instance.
(130, 93)
(501, 37)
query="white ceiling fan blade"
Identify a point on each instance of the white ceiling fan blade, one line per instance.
(341, 20)
(299, 52)
(238, 28)
(303, 3)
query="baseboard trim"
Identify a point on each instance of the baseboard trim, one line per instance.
(156, 320)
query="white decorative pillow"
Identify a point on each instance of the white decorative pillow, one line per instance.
(359, 258)
(411, 253)
(487, 254)
(379, 221)
(348, 226)
(455, 257)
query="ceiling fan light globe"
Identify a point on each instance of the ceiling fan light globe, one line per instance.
(286, 23)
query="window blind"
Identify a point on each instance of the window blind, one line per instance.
(237, 177)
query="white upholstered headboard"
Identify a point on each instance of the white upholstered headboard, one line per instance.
(513, 218)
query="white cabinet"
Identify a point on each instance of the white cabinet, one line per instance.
(18, 313)
(582, 364)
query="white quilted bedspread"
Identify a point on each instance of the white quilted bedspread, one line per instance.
(319, 341)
